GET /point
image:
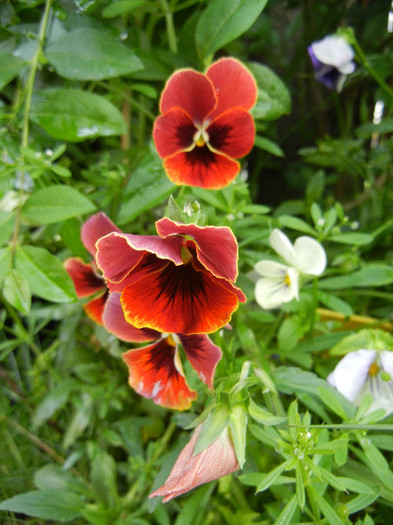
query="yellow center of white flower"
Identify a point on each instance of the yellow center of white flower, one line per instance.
(373, 370)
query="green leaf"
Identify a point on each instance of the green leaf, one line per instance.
(263, 416)
(332, 402)
(6, 226)
(294, 223)
(223, 21)
(335, 303)
(121, 7)
(55, 399)
(238, 425)
(45, 274)
(5, 262)
(51, 477)
(353, 238)
(272, 476)
(75, 115)
(368, 339)
(269, 146)
(215, 424)
(103, 478)
(326, 509)
(10, 66)
(274, 99)
(148, 187)
(55, 204)
(285, 518)
(370, 275)
(91, 54)
(51, 504)
(16, 291)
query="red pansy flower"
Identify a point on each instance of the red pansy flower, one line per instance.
(155, 371)
(206, 124)
(192, 470)
(181, 281)
(87, 280)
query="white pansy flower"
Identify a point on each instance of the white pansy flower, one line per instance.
(279, 283)
(366, 371)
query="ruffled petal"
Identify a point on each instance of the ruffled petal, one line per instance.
(190, 91)
(86, 280)
(333, 50)
(190, 471)
(114, 321)
(283, 246)
(119, 253)
(203, 355)
(180, 299)
(310, 256)
(234, 84)
(94, 228)
(155, 372)
(173, 132)
(95, 308)
(351, 373)
(386, 357)
(233, 133)
(216, 246)
(201, 167)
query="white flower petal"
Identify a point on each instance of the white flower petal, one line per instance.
(310, 256)
(351, 373)
(283, 246)
(382, 394)
(386, 358)
(271, 293)
(333, 50)
(271, 269)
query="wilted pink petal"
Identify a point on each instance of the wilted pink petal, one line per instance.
(189, 471)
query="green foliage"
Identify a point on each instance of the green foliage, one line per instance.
(80, 85)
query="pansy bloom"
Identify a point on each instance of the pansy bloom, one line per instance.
(179, 281)
(332, 59)
(87, 280)
(279, 283)
(191, 470)
(155, 371)
(205, 124)
(366, 371)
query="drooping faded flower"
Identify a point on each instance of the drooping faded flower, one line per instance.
(87, 280)
(205, 124)
(332, 58)
(155, 371)
(190, 471)
(181, 281)
(279, 283)
(366, 371)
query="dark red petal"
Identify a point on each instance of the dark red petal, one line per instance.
(201, 167)
(173, 132)
(233, 133)
(203, 355)
(190, 91)
(86, 280)
(216, 246)
(180, 299)
(95, 227)
(95, 308)
(156, 373)
(234, 84)
(114, 321)
(119, 253)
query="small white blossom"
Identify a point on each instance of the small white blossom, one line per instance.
(366, 371)
(280, 283)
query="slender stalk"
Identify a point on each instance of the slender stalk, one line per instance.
(170, 27)
(25, 127)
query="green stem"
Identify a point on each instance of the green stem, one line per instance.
(170, 27)
(363, 60)
(25, 128)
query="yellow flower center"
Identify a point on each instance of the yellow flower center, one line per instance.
(373, 370)
(287, 280)
(200, 142)
(201, 138)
